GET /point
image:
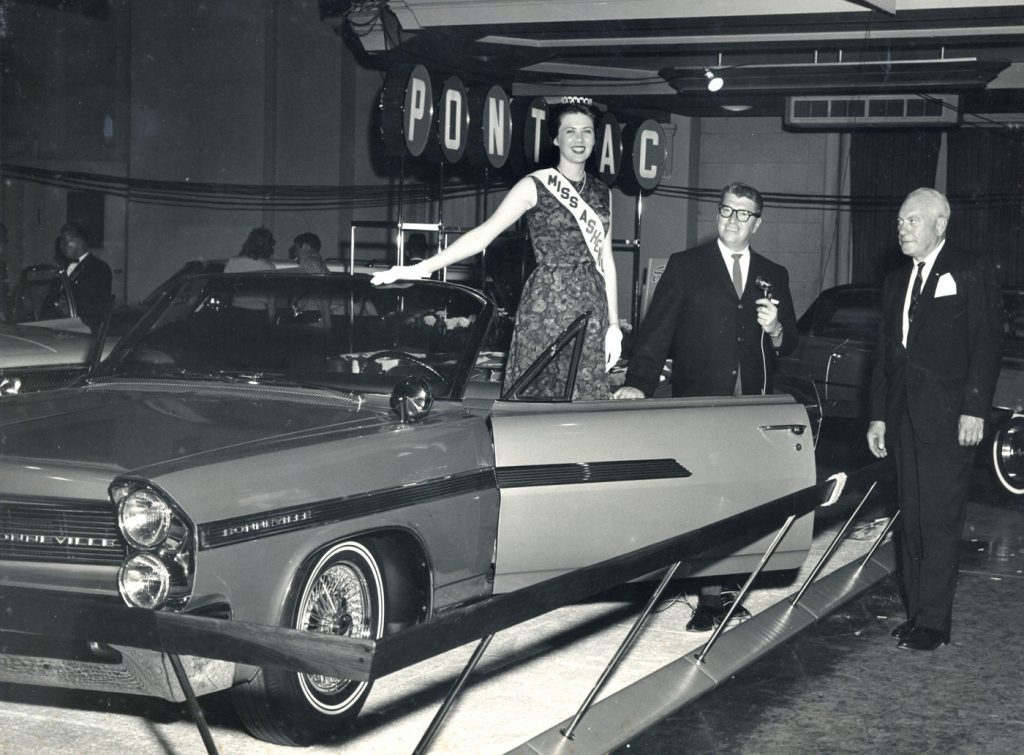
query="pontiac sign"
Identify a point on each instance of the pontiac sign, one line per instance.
(479, 125)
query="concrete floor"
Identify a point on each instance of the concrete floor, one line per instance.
(841, 686)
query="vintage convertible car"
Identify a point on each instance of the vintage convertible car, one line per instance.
(834, 358)
(317, 453)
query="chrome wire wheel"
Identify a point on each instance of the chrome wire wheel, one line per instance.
(343, 597)
(341, 593)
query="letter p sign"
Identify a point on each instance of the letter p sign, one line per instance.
(419, 110)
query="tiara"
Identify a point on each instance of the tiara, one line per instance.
(576, 100)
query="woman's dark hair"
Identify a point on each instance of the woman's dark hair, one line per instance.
(555, 122)
(259, 245)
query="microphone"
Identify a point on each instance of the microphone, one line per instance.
(765, 286)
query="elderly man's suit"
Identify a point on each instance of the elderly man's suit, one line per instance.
(947, 369)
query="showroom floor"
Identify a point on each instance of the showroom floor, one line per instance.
(841, 686)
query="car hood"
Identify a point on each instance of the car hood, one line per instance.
(29, 346)
(113, 429)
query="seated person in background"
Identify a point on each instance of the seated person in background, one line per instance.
(89, 276)
(306, 251)
(256, 253)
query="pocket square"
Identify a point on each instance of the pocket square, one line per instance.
(945, 286)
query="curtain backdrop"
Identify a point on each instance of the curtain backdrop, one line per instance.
(986, 191)
(884, 167)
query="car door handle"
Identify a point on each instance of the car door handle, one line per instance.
(795, 429)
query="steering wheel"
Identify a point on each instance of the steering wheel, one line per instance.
(397, 354)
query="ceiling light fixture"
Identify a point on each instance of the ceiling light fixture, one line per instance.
(715, 82)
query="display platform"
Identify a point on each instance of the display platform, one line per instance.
(529, 685)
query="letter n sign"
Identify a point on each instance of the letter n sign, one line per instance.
(418, 111)
(649, 154)
(496, 124)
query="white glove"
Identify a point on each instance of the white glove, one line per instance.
(612, 346)
(399, 272)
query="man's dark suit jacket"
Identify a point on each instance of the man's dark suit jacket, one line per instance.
(952, 358)
(696, 319)
(91, 289)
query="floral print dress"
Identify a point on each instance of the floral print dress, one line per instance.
(565, 284)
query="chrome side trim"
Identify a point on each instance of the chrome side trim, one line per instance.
(533, 475)
(318, 513)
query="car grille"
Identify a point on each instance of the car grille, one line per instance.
(76, 532)
(45, 380)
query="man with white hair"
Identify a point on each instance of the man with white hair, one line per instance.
(938, 360)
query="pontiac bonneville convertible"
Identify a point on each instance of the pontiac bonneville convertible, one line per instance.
(316, 453)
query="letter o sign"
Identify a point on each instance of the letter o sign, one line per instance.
(496, 124)
(418, 111)
(649, 154)
(453, 120)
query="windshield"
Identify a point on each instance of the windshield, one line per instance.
(335, 331)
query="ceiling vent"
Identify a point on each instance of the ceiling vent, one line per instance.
(872, 111)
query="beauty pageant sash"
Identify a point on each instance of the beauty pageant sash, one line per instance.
(586, 217)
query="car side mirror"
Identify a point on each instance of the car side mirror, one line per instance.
(411, 400)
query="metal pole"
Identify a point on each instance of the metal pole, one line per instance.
(881, 537)
(568, 732)
(634, 312)
(832, 547)
(449, 700)
(193, 704)
(400, 241)
(746, 588)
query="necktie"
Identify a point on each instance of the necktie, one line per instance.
(915, 292)
(737, 275)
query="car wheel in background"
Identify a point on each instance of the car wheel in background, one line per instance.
(1008, 455)
(342, 594)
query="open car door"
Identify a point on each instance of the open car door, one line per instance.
(582, 482)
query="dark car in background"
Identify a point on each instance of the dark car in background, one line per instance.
(832, 365)
(43, 342)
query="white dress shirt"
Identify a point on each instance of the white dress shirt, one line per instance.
(727, 254)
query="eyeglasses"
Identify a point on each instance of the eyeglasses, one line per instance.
(743, 216)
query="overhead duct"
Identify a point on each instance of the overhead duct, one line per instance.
(872, 111)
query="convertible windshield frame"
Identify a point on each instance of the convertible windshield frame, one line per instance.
(335, 330)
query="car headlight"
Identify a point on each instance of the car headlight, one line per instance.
(159, 566)
(10, 386)
(144, 581)
(144, 519)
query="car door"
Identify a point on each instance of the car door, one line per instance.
(584, 481)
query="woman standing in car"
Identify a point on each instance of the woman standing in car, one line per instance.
(569, 217)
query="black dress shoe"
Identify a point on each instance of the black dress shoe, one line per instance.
(922, 638)
(904, 629)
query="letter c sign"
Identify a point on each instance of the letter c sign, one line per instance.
(649, 154)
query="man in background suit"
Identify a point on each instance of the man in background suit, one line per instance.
(722, 333)
(89, 276)
(932, 386)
